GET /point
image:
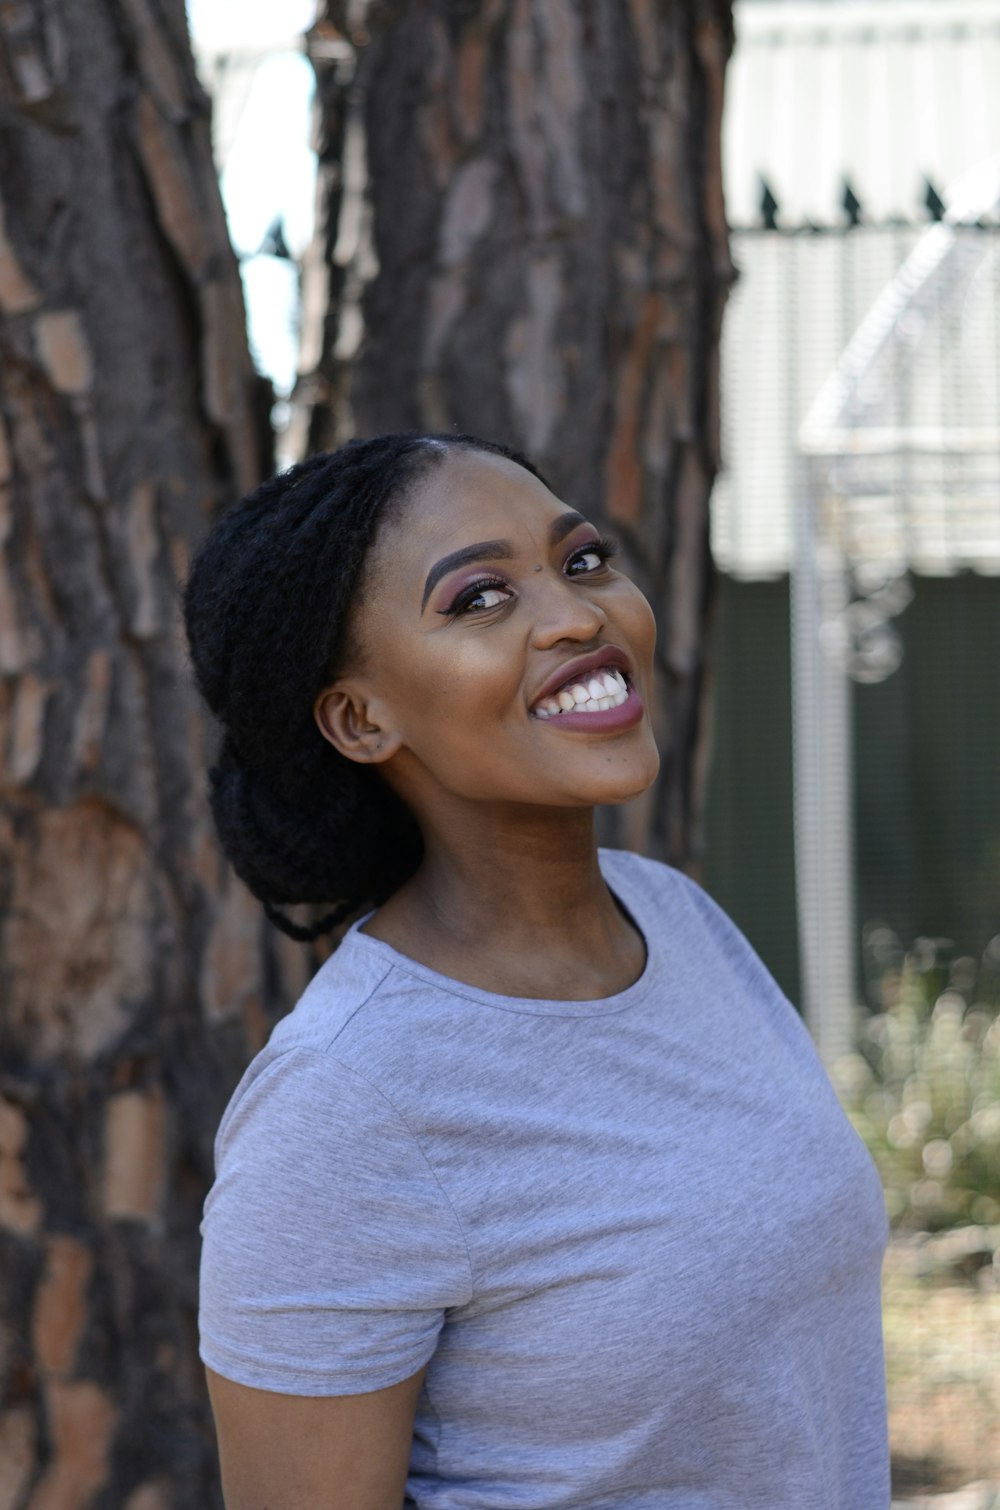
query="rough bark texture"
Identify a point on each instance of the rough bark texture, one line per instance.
(539, 254)
(136, 977)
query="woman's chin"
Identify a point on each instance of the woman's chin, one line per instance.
(628, 782)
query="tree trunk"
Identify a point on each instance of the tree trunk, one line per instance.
(136, 978)
(538, 253)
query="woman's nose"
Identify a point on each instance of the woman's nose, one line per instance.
(564, 610)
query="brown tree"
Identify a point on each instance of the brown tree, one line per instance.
(136, 978)
(540, 255)
(524, 236)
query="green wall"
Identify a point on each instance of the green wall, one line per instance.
(927, 772)
(749, 856)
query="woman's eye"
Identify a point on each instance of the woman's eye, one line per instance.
(486, 597)
(591, 558)
(478, 597)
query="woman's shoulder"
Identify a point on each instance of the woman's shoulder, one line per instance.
(647, 878)
(364, 1024)
(668, 905)
(351, 979)
(655, 883)
(703, 938)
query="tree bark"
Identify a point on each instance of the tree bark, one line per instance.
(524, 236)
(136, 976)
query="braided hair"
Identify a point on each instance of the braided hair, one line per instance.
(267, 607)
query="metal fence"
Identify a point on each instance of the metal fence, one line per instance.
(853, 825)
(862, 475)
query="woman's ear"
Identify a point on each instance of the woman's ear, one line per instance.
(347, 719)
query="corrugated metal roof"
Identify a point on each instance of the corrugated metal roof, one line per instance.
(884, 95)
(903, 467)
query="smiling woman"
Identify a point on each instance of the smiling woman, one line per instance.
(539, 1197)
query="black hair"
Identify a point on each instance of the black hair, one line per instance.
(267, 607)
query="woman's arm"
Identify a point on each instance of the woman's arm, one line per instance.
(297, 1452)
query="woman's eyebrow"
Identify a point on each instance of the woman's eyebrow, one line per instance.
(492, 550)
(561, 527)
(486, 550)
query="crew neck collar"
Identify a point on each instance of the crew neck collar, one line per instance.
(631, 898)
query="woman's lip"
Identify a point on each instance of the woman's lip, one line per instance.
(581, 668)
(603, 721)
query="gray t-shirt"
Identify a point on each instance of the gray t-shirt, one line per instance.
(636, 1238)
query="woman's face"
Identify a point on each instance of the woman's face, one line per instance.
(501, 657)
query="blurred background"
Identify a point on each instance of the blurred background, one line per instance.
(731, 274)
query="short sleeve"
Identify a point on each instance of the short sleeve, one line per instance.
(330, 1251)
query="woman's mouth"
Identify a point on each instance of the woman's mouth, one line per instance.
(601, 701)
(592, 694)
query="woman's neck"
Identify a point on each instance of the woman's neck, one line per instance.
(514, 902)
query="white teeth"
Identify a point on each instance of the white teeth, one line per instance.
(608, 689)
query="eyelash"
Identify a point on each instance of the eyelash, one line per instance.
(605, 548)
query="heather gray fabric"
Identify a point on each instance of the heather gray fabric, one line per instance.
(636, 1238)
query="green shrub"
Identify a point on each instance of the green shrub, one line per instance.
(923, 1087)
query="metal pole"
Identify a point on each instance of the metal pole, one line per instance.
(822, 762)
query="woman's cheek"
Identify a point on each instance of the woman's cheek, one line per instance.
(480, 675)
(637, 617)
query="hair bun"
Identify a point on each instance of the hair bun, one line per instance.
(355, 841)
